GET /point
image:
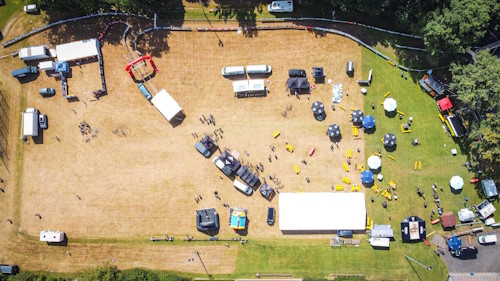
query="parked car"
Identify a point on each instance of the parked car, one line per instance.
(270, 215)
(6, 269)
(487, 239)
(296, 73)
(23, 72)
(42, 121)
(31, 8)
(202, 149)
(242, 187)
(225, 169)
(47, 92)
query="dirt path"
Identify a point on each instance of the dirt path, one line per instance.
(9, 25)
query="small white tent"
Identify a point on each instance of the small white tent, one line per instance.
(167, 106)
(51, 236)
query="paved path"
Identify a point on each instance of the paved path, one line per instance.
(475, 277)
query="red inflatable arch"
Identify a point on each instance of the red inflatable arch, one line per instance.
(129, 66)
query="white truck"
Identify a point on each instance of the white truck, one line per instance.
(280, 6)
(29, 122)
(34, 53)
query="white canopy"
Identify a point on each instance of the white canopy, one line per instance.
(248, 85)
(390, 104)
(51, 236)
(167, 106)
(466, 215)
(322, 211)
(374, 162)
(77, 50)
(456, 182)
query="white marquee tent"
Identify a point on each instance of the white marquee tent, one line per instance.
(77, 50)
(167, 106)
(322, 211)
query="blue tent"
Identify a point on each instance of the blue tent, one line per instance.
(367, 176)
(455, 243)
(62, 66)
(368, 122)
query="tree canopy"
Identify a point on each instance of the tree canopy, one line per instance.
(456, 29)
(478, 89)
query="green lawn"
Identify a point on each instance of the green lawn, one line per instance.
(9, 10)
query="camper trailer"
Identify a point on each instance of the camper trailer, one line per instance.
(280, 7)
(51, 236)
(29, 122)
(34, 53)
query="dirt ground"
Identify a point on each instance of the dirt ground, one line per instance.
(139, 176)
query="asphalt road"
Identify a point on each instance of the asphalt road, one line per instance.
(487, 260)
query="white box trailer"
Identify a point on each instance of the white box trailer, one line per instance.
(47, 65)
(29, 122)
(51, 236)
(34, 53)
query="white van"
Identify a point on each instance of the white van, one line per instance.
(242, 187)
(259, 69)
(487, 239)
(233, 70)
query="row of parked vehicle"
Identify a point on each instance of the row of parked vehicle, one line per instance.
(251, 69)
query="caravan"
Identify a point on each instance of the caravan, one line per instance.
(233, 70)
(259, 69)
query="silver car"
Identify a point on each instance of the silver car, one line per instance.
(42, 121)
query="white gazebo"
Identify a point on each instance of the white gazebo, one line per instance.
(390, 104)
(457, 182)
(374, 162)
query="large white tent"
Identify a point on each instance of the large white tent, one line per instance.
(390, 104)
(167, 106)
(77, 50)
(321, 211)
(456, 182)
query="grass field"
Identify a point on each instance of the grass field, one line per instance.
(8, 11)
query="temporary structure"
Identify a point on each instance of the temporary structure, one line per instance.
(367, 176)
(318, 109)
(77, 50)
(374, 162)
(333, 131)
(238, 218)
(51, 236)
(466, 215)
(454, 243)
(357, 116)
(368, 122)
(413, 229)
(390, 104)
(457, 182)
(167, 106)
(389, 139)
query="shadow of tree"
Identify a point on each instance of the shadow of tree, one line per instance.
(154, 43)
(244, 12)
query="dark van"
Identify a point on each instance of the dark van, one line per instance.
(296, 73)
(47, 92)
(270, 215)
(23, 72)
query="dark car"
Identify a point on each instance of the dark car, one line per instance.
(296, 73)
(270, 215)
(345, 233)
(47, 92)
(6, 269)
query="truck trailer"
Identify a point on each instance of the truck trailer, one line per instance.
(29, 122)
(34, 53)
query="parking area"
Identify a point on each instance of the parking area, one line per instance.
(486, 261)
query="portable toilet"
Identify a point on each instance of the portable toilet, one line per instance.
(350, 69)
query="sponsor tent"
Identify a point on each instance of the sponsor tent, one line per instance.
(445, 104)
(321, 211)
(167, 106)
(77, 50)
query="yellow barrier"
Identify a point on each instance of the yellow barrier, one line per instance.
(346, 180)
(392, 157)
(404, 131)
(355, 188)
(441, 117)
(386, 94)
(339, 187)
(355, 154)
(352, 109)
(392, 184)
(420, 165)
(382, 141)
(341, 106)
(348, 153)
(345, 167)
(376, 189)
(276, 134)
(360, 168)
(401, 112)
(449, 127)
(416, 162)
(355, 131)
(296, 168)
(392, 63)
(387, 195)
(289, 148)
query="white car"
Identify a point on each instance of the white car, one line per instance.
(487, 239)
(31, 8)
(42, 121)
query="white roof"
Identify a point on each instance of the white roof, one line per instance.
(487, 210)
(322, 211)
(51, 236)
(466, 215)
(166, 104)
(30, 123)
(256, 85)
(46, 65)
(32, 51)
(77, 50)
(240, 86)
